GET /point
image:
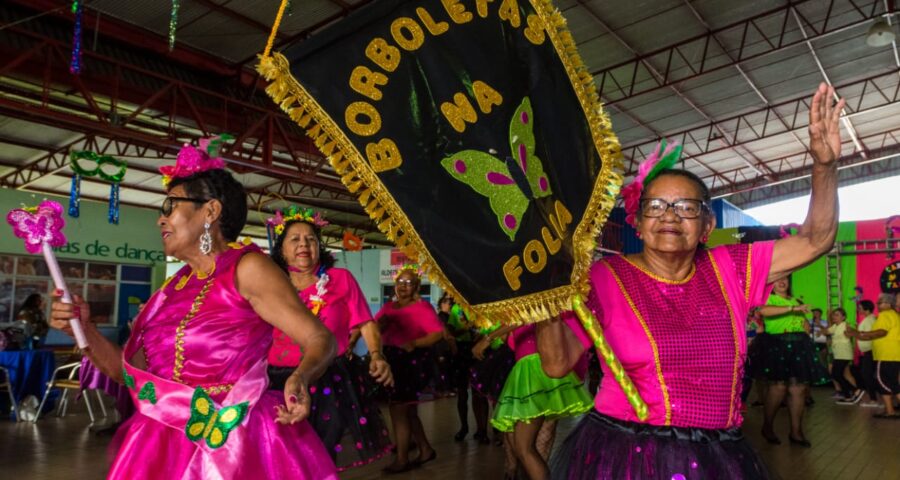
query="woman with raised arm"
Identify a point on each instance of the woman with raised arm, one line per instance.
(674, 316)
(195, 363)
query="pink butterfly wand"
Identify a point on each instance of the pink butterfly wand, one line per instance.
(41, 229)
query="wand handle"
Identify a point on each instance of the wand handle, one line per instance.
(60, 284)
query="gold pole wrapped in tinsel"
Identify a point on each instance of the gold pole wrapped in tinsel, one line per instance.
(593, 329)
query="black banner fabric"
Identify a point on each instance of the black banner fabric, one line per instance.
(473, 137)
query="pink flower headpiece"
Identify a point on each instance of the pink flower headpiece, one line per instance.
(292, 214)
(193, 160)
(409, 267)
(277, 223)
(663, 158)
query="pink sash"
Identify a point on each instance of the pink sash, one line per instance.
(215, 429)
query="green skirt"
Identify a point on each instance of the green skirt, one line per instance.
(529, 393)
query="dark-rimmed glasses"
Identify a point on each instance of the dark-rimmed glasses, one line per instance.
(169, 204)
(688, 208)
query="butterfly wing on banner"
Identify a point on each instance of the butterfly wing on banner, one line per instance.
(463, 127)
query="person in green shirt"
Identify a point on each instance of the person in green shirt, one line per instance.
(885, 336)
(788, 361)
(461, 349)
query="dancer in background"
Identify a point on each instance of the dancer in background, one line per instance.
(409, 327)
(531, 403)
(493, 362)
(340, 404)
(788, 362)
(842, 349)
(674, 316)
(196, 360)
(457, 326)
(885, 337)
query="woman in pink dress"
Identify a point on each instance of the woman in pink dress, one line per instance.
(674, 316)
(195, 364)
(409, 327)
(340, 400)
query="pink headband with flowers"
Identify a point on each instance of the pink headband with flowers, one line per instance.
(663, 158)
(193, 160)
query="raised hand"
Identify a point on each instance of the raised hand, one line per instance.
(824, 126)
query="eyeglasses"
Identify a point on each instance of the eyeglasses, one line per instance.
(169, 204)
(688, 208)
(405, 281)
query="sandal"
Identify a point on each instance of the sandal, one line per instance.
(422, 461)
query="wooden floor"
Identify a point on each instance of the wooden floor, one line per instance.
(847, 444)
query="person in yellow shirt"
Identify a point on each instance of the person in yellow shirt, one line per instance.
(885, 336)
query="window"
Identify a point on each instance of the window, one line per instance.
(100, 284)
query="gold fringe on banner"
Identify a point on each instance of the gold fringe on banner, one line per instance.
(359, 178)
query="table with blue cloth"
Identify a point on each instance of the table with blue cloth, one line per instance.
(29, 372)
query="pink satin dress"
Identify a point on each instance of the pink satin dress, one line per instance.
(203, 408)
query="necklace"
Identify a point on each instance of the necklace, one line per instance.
(317, 300)
(200, 276)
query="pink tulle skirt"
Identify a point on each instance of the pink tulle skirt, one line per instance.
(145, 448)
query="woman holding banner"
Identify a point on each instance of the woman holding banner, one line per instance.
(673, 314)
(195, 364)
(409, 327)
(339, 400)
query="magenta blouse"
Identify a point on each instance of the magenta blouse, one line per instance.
(682, 343)
(401, 325)
(345, 309)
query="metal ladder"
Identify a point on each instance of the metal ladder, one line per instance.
(889, 246)
(833, 279)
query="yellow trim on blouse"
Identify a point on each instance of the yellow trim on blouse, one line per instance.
(661, 279)
(737, 345)
(634, 309)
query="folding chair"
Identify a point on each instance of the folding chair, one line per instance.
(5, 384)
(64, 378)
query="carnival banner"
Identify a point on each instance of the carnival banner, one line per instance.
(473, 136)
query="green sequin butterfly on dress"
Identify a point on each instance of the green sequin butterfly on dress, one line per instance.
(509, 185)
(210, 424)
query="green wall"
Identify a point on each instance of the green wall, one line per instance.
(810, 282)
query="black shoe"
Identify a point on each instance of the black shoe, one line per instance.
(481, 437)
(419, 462)
(461, 434)
(801, 443)
(771, 438)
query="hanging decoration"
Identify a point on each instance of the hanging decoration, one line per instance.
(107, 168)
(352, 243)
(173, 23)
(75, 196)
(75, 65)
(113, 215)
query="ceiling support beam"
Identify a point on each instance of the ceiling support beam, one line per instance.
(875, 92)
(761, 35)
